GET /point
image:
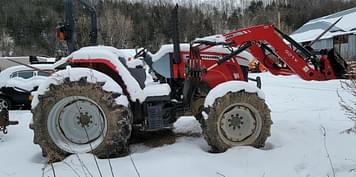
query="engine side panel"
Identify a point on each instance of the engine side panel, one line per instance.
(228, 71)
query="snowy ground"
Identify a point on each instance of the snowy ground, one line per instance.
(296, 148)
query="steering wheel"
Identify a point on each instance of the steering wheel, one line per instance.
(141, 53)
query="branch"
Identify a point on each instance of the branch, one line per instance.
(134, 165)
(323, 131)
(53, 171)
(72, 168)
(220, 174)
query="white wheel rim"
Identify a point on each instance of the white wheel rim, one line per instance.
(3, 104)
(77, 124)
(239, 124)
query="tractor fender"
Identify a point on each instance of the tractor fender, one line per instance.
(75, 74)
(226, 87)
(112, 62)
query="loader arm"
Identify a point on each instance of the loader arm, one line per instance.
(267, 44)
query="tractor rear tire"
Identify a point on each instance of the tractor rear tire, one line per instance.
(237, 119)
(81, 117)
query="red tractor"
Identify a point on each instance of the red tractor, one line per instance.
(95, 100)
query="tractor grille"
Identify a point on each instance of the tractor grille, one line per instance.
(155, 120)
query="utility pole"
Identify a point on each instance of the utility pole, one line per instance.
(94, 30)
(279, 20)
(69, 25)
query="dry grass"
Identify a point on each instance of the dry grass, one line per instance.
(348, 100)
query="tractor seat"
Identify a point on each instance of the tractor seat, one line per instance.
(138, 73)
(150, 89)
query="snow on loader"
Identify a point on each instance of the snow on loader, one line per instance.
(95, 100)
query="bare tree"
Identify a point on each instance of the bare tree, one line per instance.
(115, 29)
(6, 44)
(82, 30)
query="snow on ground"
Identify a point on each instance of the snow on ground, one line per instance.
(295, 149)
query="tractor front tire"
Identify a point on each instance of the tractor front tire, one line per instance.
(237, 119)
(80, 117)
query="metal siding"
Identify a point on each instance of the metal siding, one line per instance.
(352, 46)
(323, 44)
(344, 50)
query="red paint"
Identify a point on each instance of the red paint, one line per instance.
(220, 74)
(268, 35)
(91, 63)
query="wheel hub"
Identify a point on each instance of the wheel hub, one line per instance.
(237, 123)
(84, 119)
